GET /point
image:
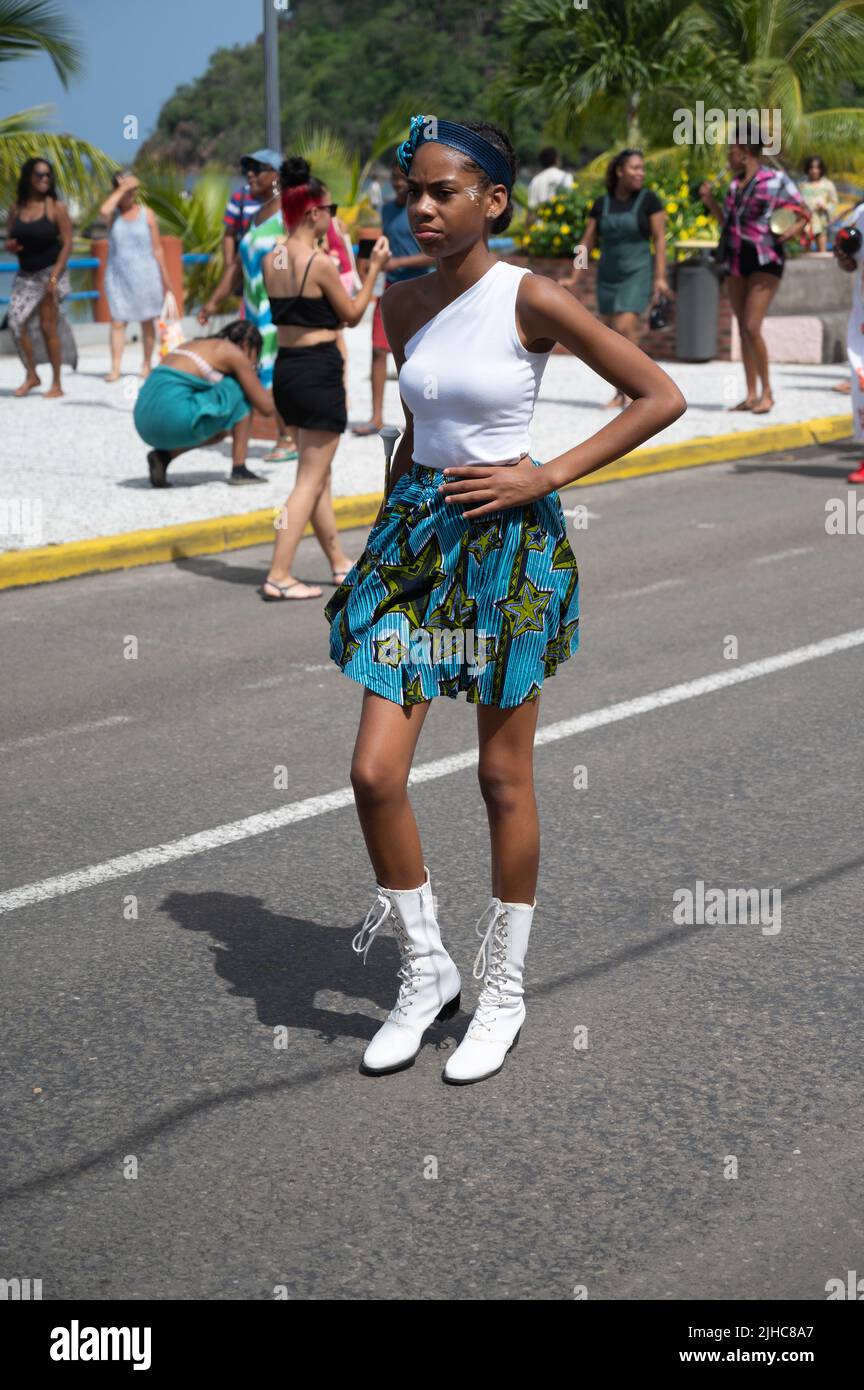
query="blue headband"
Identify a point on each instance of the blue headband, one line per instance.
(490, 159)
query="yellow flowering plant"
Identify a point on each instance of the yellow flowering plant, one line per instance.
(560, 223)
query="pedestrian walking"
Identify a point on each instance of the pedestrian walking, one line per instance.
(263, 228)
(309, 305)
(820, 195)
(39, 233)
(753, 254)
(625, 220)
(469, 551)
(136, 276)
(849, 251)
(202, 391)
(407, 262)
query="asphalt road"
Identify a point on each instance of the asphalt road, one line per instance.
(146, 1043)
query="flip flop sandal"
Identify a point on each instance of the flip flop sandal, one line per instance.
(283, 589)
(281, 454)
(364, 429)
(339, 576)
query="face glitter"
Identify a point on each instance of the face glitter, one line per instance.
(473, 192)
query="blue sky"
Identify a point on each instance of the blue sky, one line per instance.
(136, 53)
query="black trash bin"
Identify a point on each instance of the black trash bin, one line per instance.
(697, 293)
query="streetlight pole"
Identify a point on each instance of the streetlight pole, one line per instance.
(272, 135)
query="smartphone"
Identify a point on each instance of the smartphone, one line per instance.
(364, 251)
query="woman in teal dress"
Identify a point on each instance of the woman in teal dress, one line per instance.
(624, 221)
(203, 390)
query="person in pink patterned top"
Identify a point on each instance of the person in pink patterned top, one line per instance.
(754, 255)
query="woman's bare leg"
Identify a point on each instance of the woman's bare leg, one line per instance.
(761, 290)
(317, 448)
(118, 340)
(324, 525)
(148, 342)
(240, 436)
(175, 453)
(506, 775)
(737, 289)
(32, 378)
(383, 753)
(49, 322)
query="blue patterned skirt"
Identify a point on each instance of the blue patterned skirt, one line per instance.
(438, 603)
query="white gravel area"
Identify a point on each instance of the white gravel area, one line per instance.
(75, 468)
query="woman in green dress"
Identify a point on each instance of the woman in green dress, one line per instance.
(625, 221)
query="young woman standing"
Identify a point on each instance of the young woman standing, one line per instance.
(136, 276)
(755, 255)
(40, 235)
(469, 550)
(309, 305)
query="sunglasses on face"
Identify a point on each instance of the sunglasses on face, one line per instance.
(251, 166)
(41, 173)
(331, 207)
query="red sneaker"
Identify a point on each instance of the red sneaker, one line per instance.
(858, 475)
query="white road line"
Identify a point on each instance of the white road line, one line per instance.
(30, 740)
(442, 767)
(648, 589)
(783, 555)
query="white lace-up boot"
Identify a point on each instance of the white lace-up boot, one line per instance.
(494, 1030)
(430, 986)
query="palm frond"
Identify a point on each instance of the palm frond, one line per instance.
(28, 27)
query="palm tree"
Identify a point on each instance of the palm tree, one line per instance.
(29, 27)
(640, 60)
(786, 47)
(585, 65)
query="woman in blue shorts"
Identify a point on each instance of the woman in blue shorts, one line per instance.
(468, 582)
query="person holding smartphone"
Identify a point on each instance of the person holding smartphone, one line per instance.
(309, 305)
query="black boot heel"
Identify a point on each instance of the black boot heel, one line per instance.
(449, 1009)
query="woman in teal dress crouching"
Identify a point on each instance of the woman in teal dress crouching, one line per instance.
(199, 394)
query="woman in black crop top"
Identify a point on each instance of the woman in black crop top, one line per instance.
(39, 233)
(309, 304)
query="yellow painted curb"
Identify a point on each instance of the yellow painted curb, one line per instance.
(42, 564)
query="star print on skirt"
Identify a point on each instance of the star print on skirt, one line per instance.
(439, 603)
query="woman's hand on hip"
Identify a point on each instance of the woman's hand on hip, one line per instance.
(481, 489)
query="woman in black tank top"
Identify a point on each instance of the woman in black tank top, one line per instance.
(39, 233)
(308, 303)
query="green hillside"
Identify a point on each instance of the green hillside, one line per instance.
(344, 64)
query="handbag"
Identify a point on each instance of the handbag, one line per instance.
(170, 326)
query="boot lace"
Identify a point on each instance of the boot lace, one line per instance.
(369, 930)
(409, 970)
(492, 963)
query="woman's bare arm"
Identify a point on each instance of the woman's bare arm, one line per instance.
(64, 227)
(549, 313)
(234, 361)
(349, 311)
(656, 401)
